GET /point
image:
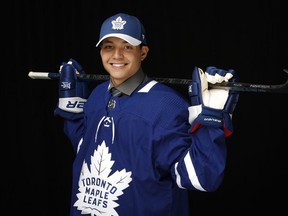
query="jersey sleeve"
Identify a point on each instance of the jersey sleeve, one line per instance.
(202, 166)
(197, 160)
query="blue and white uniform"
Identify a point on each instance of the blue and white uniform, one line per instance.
(136, 155)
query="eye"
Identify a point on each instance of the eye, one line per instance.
(128, 47)
(107, 47)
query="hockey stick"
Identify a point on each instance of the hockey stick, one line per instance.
(236, 86)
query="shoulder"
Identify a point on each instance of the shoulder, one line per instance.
(160, 91)
(160, 104)
(162, 97)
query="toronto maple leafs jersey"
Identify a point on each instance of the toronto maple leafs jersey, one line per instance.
(136, 155)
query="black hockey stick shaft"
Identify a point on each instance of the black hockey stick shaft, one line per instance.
(236, 86)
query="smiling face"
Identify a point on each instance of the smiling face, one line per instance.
(120, 59)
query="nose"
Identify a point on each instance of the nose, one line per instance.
(117, 53)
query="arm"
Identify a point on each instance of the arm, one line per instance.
(210, 115)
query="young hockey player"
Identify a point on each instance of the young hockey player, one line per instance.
(140, 150)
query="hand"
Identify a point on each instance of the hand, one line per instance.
(212, 107)
(72, 91)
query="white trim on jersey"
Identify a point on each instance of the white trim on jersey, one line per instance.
(148, 86)
(191, 173)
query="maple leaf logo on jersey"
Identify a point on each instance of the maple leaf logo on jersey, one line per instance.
(99, 191)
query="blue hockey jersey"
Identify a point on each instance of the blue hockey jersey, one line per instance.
(135, 154)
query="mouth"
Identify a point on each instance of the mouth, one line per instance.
(117, 64)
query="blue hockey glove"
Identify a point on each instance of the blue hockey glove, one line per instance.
(73, 92)
(212, 107)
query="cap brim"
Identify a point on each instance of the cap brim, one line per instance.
(129, 39)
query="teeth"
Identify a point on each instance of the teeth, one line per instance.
(118, 65)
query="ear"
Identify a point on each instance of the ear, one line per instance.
(144, 52)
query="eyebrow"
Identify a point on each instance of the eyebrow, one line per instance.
(107, 40)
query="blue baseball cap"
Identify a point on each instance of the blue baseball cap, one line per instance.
(123, 26)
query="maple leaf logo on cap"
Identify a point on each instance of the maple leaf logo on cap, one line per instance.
(118, 23)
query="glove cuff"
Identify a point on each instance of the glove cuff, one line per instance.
(227, 124)
(208, 116)
(72, 104)
(67, 115)
(213, 118)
